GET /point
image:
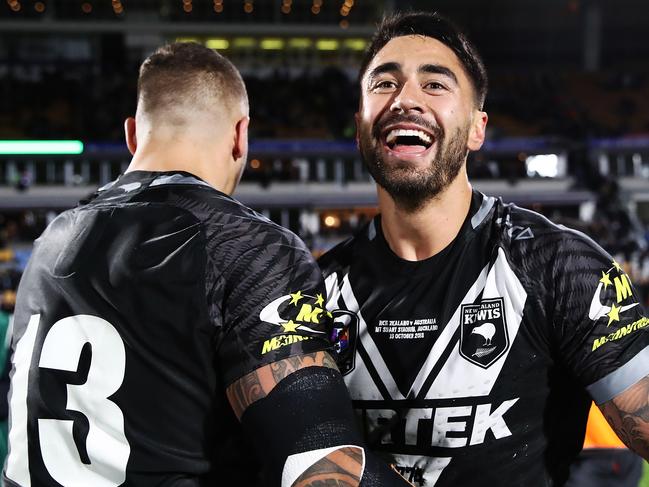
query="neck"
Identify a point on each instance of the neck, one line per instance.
(184, 155)
(417, 235)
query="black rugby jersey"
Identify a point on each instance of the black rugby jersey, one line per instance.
(134, 314)
(474, 367)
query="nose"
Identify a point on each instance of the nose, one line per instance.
(407, 99)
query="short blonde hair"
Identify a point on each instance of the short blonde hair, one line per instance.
(187, 74)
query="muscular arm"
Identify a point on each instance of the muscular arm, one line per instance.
(628, 415)
(258, 384)
(342, 467)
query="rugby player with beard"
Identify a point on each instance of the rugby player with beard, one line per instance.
(472, 333)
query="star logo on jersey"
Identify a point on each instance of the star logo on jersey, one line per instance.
(343, 336)
(295, 315)
(605, 303)
(296, 312)
(483, 333)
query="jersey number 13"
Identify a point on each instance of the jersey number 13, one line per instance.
(106, 444)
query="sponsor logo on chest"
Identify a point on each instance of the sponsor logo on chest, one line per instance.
(447, 427)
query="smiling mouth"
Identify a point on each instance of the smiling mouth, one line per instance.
(408, 140)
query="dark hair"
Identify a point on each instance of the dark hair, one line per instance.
(188, 73)
(438, 27)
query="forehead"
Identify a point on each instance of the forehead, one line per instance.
(414, 50)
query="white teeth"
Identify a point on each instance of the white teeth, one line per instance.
(393, 134)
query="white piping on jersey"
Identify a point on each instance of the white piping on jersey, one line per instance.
(476, 220)
(447, 334)
(128, 187)
(107, 186)
(368, 343)
(371, 230)
(436, 351)
(621, 379)
(483, 211)
(178, 179)
(459, 377)
(360, 383)
(333, 291)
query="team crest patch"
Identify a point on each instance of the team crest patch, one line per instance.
(483, 335)
(343, 335)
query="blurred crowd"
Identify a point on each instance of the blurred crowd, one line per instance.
(89, 103)
(615, 229)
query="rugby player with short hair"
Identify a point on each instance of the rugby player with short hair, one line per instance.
(155, 316)
(473, 332)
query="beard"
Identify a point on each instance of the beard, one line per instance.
(412, 187)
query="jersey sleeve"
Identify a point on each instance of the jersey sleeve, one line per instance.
(599, 319)
(274, 308)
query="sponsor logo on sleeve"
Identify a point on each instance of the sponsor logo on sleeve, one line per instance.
(613, 295)
(620, 333)
(298, 317)
(483, 332)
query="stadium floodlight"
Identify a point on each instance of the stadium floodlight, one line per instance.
(544, 165)
(244, 42)
(355, 44)
(188, 39)
(300, 43)
(327, 44)
(272, 44)
(217, 44)
(48, 147)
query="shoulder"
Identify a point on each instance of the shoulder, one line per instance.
(527, 229)
(540, 248)
(224, 219)
(57, 231)
(341, 256)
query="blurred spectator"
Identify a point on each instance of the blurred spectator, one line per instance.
(318, 102)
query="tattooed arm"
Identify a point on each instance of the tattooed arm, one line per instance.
(338, 469)
(628, 415)
(342, 467)
(314, 409)
(258, 384)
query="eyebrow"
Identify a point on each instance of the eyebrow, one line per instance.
(384, 68)
(438, 69)
(391, 67)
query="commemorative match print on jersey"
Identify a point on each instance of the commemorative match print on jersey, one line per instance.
(483, 334)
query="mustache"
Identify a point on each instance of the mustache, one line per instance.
(395, 118)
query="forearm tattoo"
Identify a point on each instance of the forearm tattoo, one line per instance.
(341, 468)
(628, 414)
(258, 384)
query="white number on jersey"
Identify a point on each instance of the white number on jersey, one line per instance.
(106, 444)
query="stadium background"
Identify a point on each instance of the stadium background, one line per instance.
(568, 108)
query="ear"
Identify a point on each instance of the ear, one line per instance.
(477, 131)
(240, 147)
(129, 133)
